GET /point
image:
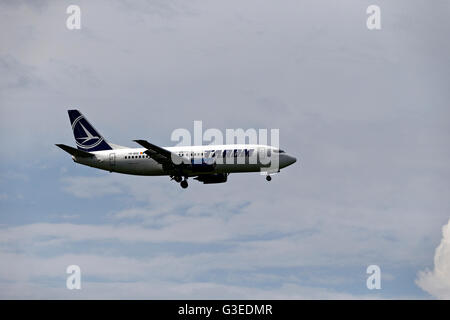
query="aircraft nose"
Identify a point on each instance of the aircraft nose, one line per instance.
(286, 160)
(291, 160)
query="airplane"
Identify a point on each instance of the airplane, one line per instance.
(205, 163)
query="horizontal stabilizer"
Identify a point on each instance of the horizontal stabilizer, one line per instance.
(75, 152)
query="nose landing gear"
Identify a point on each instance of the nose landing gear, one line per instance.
(268, 178)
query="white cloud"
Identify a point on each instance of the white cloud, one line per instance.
(97, 187)
(169, 290)
(437, 281)
(202, 230)
(23, 276)
(270, 210)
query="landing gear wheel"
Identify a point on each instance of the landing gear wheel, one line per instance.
(268, 178)
(177, 179)
(184, 184)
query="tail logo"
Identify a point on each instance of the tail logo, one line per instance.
(87, 141)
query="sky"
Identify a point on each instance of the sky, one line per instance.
(366, 113)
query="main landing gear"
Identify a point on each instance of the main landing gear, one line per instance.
(268, 178)
(184, 184)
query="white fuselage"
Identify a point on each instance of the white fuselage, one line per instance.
(226, 159)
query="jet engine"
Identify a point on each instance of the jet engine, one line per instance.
(212, 178)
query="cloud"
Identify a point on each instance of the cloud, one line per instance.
(437, 281)
(90, 187)
(162, 277)
(201, 230)
(169, 290)
(17, 74)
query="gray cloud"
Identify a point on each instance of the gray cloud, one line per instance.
(17, 75)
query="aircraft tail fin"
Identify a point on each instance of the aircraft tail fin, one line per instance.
(86, 137)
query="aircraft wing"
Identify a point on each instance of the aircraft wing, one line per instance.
(161, 155)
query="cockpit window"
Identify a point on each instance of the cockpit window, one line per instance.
(279, 151)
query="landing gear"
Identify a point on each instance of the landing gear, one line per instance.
(184, 184)
(179, 179)
(268, 178)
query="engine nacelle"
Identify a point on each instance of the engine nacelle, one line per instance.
(212, 178)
